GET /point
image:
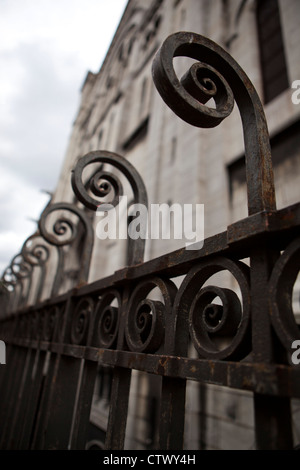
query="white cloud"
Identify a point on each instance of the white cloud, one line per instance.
(46, 49)
(20, 205)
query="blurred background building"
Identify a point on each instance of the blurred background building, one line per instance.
(121, 111)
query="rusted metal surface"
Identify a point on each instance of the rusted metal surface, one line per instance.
(104, 183)
(55, 345)
(218, 76)
(64, 232)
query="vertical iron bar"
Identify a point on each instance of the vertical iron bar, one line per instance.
(51, 390)
(118, 409)
(117, 418)
(61, 403)
(202, 423)
(20, 360)
(173, 391)
(273, 425)
(171, 431)
(21, 402)
(82, 409)
(32, 399)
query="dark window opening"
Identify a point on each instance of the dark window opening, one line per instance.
(143, 94)
(137, 135)
(272, 56)
(285, 144)
(173, 150)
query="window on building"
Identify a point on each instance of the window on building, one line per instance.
(100, 135)
(285, 147)
(143, 95)
(139, 134)
(273, 63)
(173, 150)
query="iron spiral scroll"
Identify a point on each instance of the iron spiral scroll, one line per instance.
(21, 272)
(8, 283)
(35, 252)
(217, 318)
(217, 75)
(8, 278)
(12, 281)
(62, 230)
(281, 285)
(106, 184)
(148, 320)
(107, 320)
(80, 321)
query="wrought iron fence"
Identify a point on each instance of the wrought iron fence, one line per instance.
(54, 346)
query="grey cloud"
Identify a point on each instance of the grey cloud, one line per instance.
(43, 112)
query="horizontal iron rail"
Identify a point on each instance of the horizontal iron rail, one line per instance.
(236, 242)
(267, 379)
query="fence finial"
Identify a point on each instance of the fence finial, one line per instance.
(217, 75)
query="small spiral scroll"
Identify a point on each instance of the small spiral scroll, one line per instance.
(145, 326)
(20, 267)
(9, 279)
(33, 252)
(281, 283)
(7, 289)
(216, 75)
(64, 230)
(104, 183)
(215, 319)
(200, 84)
(210, 321)
(21, 270)
(81, 320)
(107, 320)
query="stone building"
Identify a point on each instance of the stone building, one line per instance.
(121, 111)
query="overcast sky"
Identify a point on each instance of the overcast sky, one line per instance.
(46, 49)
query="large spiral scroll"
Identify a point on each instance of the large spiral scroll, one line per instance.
(36, 252)
(22, 271)
(218, 76)
(63, 230)
(105, 184)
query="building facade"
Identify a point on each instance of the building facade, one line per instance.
(121, 111)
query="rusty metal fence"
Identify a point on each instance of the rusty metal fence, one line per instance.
(54, 346)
